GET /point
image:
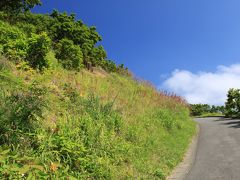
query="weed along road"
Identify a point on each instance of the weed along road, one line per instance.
(218, 150)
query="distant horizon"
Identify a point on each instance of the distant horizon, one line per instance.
(177, 46)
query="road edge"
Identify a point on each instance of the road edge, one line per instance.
(182, 170)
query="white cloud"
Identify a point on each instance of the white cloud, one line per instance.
(204, 87)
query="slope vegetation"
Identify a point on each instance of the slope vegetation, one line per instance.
(66, 111)
(87, 125)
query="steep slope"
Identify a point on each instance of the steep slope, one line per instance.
(60, 120)
(62, 123)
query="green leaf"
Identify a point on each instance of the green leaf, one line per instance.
(39, 167)
(5, 152)
(24, 169)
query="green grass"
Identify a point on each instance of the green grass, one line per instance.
(84, 125)
(210, 115)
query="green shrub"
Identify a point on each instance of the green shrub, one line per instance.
(69, 55)
(16, 50)
(17, 6)
(39, 46)
(65, 30)
(21, 113)
(233, 103)
(9, 33)
(199, 109)
(27, 28)
(204, 109)
(160, 174)
(109, 66)
(13, 42)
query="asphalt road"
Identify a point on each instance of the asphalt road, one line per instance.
(218, 150)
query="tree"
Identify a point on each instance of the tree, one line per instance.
(17, 6)
(98, 55)
(13, 42)
(200, 109)
(58, 27)
(69, 55)
(233, 103)
(67, 27)
(39, 46)
(221, 109)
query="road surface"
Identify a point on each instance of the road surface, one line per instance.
(218, 150)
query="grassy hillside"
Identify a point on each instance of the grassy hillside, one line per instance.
(62, 121)
(87, 125)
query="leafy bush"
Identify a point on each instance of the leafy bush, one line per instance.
(39, 46)
(15, 45)
(27, 28)
(9, 33)
(69, 55)
(61, 26)
(41, 23)
(233, 103)
(18, 6)
(97, 56)
(201, 109)
(66, 26)
(20, 114)
(13, 42)
(16, 50)
(110, 66)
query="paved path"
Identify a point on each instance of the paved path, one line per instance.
(218, 150)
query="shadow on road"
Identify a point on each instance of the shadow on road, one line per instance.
(223, 119)
(231, 123)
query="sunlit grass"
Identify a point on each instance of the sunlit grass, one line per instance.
(118, 127)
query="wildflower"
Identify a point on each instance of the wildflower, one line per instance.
(53, 167)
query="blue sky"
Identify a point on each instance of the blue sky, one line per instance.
(154, 38)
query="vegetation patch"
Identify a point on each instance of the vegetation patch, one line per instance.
(77, 125)
(233, 103)
(205, 110)
(62, 120)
